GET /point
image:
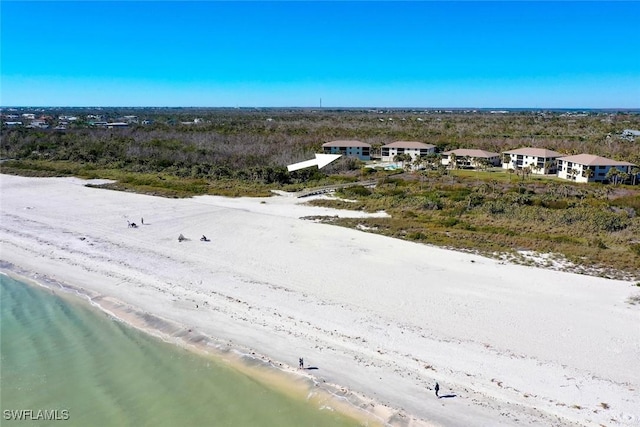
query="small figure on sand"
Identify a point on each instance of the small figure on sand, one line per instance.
(181, 238)
(437, 389)
(301, 363)
(204, 238)
(142, 221)
(132, 224)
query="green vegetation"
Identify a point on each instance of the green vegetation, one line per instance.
(240, 152)
(587, 225)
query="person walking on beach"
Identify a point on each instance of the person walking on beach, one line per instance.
(142, 221)
(437, 389)
(301, 363)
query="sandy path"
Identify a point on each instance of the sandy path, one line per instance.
(387, 318)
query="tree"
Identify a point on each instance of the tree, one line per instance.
(453, 162)
(417, 162)
(613, 175)
(547, 166)
(467, 161)
(434, 160)
(588, 173)
(485, 164)
(572, 173)
(634, 174)
(481, 165)
(624, 177)
(402, 159)
(506, 159)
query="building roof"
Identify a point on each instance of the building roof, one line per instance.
(340, 143)
(409, 144)
(536, 152)
(471, 152)
(591, 160)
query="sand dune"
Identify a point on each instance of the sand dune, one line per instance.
(383, 318)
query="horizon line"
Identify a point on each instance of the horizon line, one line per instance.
(320, 108)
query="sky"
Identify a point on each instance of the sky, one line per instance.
(394, 54)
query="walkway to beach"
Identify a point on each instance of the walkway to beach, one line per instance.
(331, 188)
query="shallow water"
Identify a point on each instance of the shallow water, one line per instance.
(81, 365)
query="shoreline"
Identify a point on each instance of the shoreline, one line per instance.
(381, 317)
(281, 378)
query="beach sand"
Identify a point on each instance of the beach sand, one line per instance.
(381, 319)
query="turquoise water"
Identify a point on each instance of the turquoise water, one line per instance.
(59, 355)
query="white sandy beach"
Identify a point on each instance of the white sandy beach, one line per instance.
(384, 318)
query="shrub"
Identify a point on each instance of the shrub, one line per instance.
(449, 222)
(459, 194)
(628, 202)
(432, 202)
(599, 243)
(357, 190)
(417, 235)
(607, 221)
(555, 204)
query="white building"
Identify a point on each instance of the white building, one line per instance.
(539, 160)
(466, 158)
(359, 149)
(589, 168)
(412, 148)
(38, 124)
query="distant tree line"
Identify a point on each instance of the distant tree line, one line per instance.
(257, 145)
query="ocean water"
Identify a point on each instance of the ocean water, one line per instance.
(86, 369)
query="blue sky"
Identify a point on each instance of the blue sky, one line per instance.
(351, 54)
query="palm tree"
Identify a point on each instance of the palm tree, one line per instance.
(453, 162)
(436, 160)
(588, 173)
(624, 177)
(506, 159)
(402, 158)
(613, 175)
(634, 174)
(416, 162)
(408, 160)
(571, 173)
(467, 161)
